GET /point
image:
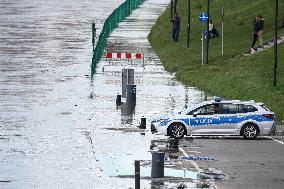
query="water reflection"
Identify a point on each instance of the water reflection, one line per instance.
(127, 113)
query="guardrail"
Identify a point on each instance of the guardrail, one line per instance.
(110, 24)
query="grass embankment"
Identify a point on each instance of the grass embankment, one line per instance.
(230, 76)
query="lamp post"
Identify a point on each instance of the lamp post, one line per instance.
(207, 39)
(175, 6)
(172, 4)
(188, 24)
(275, 45)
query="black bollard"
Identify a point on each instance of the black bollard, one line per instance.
(157, 165)
(118, 100)
(143, 123)
(131, 94)
(137, 174)
(94, 34)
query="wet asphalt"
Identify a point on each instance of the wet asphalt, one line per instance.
(248, 164)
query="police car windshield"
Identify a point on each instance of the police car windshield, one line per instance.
(193, 107)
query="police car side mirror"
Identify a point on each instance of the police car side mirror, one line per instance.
(195, 114)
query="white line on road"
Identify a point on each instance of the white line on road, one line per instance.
(192, 162)
(280, 142)
(195, 165)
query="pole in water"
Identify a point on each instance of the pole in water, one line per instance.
(137, 174)
(158, 159)
(118, 100)
(222, 31)
(143, 123)
(188, 24)
(275, 46)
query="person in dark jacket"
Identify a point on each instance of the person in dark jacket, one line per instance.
(257, 26)
(212, 30)
(260, 30)
(176, 27)
(281, 25)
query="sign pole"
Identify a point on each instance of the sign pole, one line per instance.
(202, 48)
(222, 31)
(203, 17)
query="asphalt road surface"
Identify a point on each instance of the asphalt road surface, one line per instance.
(247, 163)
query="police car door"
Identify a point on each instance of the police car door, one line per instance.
(232, 115)
(204, 121)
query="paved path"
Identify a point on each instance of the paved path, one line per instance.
(248, 164)
(267, 45)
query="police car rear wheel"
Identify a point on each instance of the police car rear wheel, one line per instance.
(177, 131)
(249, 131)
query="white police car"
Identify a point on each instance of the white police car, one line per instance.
(218, 117)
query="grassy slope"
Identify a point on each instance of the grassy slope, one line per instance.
(229, 76)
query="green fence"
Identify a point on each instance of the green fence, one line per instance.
(110, 24)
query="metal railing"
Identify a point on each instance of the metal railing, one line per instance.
(110, 24)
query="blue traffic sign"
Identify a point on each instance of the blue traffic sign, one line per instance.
(205, 32)
(203, 17)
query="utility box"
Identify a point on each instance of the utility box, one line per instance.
(127, 79)
(131, 94)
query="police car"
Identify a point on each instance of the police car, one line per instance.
(218, 117)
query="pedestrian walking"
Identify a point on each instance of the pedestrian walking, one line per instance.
(261, 30)
(176, 27)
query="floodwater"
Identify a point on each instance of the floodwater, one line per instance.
(59, 130)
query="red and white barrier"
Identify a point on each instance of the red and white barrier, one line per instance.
(120, 55)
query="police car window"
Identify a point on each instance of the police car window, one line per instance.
(251, 108)
(242, 108)
(231, 109)
(208, 109)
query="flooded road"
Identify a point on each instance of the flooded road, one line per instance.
(59, 130)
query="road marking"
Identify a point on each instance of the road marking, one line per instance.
(195, 164)
(192, 162)
(280, 142)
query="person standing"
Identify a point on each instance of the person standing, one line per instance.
(281, 25)
(255, 30)
(176, 27)
(212, 30)
(261, 30)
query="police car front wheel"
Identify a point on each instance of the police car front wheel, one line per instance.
(249, 131)
(177, 130)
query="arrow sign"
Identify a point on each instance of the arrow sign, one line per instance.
(203, 17)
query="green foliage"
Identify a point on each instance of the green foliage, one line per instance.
(230, 76)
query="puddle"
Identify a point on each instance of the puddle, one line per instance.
(213, 173)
